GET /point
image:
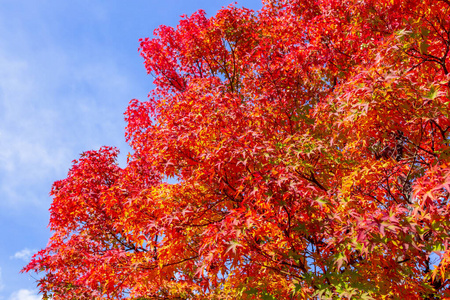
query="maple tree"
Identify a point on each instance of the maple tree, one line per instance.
(310, 143)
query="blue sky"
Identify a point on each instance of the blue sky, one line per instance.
(67, 72)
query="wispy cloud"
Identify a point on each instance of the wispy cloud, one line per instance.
(24, 294)
(54, 99)
(24, 254)
(27, 126)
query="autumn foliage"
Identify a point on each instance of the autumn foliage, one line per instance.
(310, 145)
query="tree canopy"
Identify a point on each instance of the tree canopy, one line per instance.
(310, 146)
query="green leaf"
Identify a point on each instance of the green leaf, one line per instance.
(300, 227)
(340, 258)
(438, 247)
(424, 31)
(266, 296)
(423, 47)
(251, 291)
(433, 93)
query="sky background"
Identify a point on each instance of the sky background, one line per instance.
(67, 72)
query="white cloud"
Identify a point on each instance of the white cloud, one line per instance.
(24, 295)
(24, 254)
